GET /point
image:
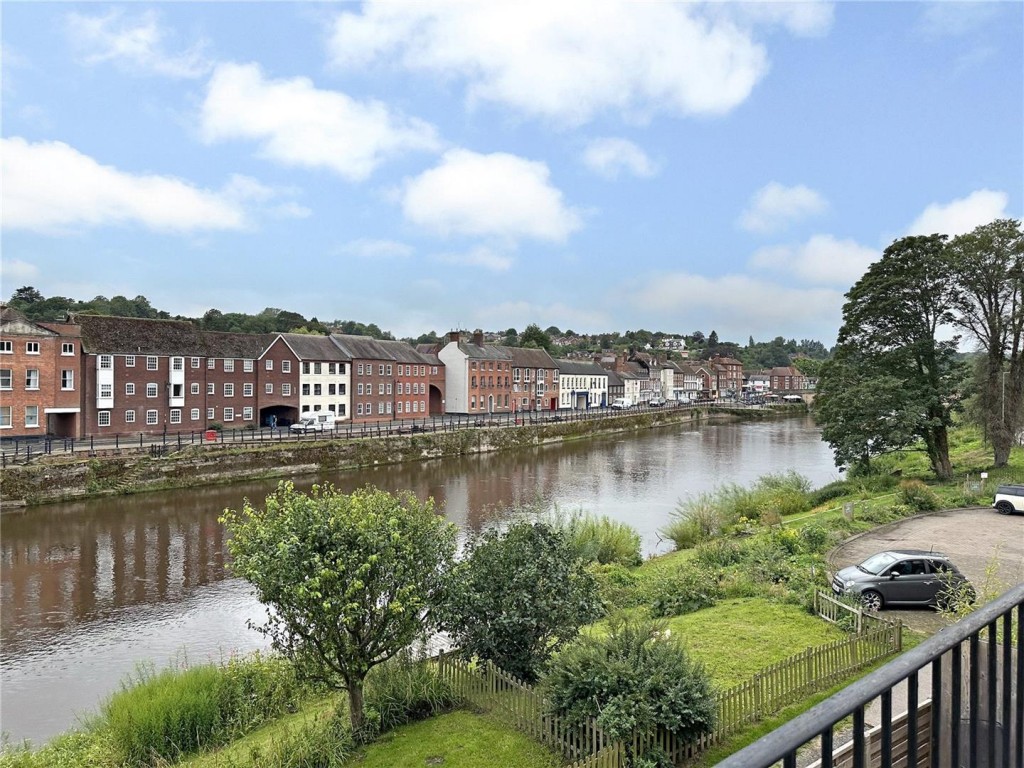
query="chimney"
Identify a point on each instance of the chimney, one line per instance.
(454, 337)
(478, 337)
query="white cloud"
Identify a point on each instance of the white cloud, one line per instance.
(962, 215)
(822, 260)
(955, 19)
(135, 43)
(498, 195)
(298, 124)
(802, 18)
(774, 207)
(377, 249)
(478, 257)
(737, 305)
(52, 187)
(245, 189)
(15, 269)
(609, 156)
(567, 61)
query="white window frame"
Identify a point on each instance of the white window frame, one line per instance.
(194, 388)
(269, 364)
(67, 348)
(247, 366)
(211, 363)
(106, 391)
(195, 362)
(211, 388)
(31, 416)
(229, 389)
(175, 416)
(129, 388)
(152, 417)
(152, 363)
(129, 361)
(103, 419)
(105, 363)
(32, 348)
(286, 389)
(6, 378)
(229, 365)
(247, 413)
(286, 366)
(32, 382)
(6, 347)
(247, 389)
(177, 363)
(129, 416)
(229, 413)
(194, 414)
(268, 388)
(152, 389)
(67, 379)
(211, 413)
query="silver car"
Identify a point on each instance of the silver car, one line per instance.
(903, 577)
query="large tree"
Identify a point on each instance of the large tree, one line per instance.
(891, 324)
(350, 580)
(534, 337)
(988, 269)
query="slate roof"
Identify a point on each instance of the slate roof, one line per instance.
(368, 348)
(527, 357)
(314, 347)
(485, 352)
(245, 346)
(134, 336)
(614, 380)
(580, 368)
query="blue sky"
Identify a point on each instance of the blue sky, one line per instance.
(594, 166)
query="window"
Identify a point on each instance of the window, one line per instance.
(389, 388)
(211, 388)
(247, 390)
(381, 369)
(359, 409)
(103, 419)
(211, 413)
(129, 416)
(247, 413)
(229, 390)
(7, 348)
(268, 388)
(305, 368)
(177, 363)
(380, 388)
(229, 414)
(423, 406)
(152, 417)
(129, 361)
(359, 388)
(31, 347)
(474, 382)
(229, 366)
(106, 390)
(32, 378)
(269, 364)
(211, 363)
(472, 402)
(318, 389)
(388, 409)
(106, 363)
(194, 414)
(316, 368)
(194, 388)
(360, 369)
(286, 366)
(380, 409)
(175, 415)
(247, 366)
(67, 379)
(342, 389)
(67, 348)
(389, 370)
(341, 409)
(305, 390)
(332, 389)
(152, 389)
(5, 417)
(330, 369)
(398, 407)
(6, 378)
(195, 362)
(286, 390)
(152, 363)
(31, 415)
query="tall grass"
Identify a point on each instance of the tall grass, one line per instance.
(596, 539)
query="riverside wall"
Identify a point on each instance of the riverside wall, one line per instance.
(59, 478)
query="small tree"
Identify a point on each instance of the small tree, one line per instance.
(518, 596)
(632, 681)
(350, 580)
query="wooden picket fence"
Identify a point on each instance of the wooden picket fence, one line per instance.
(517, 703)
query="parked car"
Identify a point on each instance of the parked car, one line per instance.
(1009, 499)
(656, 402)
(621, 402)
(903, 577)
(314, 423)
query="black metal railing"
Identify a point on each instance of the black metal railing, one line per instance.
(976, 708)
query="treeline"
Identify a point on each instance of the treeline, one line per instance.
(806, 354)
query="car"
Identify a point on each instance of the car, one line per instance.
(903, 577)
(621, 402)
(319, 423)
(1009, 499)
(656, 402)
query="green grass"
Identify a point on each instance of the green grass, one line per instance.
(456, 740)
(737, 638)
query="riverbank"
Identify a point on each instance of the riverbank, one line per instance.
(57, 478)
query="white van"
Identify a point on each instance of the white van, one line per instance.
(316, 421)
(621, 402)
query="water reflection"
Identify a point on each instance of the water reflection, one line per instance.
(91, 588)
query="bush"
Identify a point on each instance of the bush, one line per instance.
(815, 537)
(255, 689)
(404, 689)
(633, 680)
(326, 742)
(694, 521)
(919, 496)
(827, 493)
(685, 590)
(719, 553)
(617, 586)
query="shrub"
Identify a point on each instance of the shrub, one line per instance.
(815, 537)
(786, 502)
(617, 586)
(826, 493)
(685, 590)
(719, 553)
(694, 521)
(255, 689)
(404, 689)
(325, 742)
(633, 680)
(916, 494)
(789, 482)
(683, 532)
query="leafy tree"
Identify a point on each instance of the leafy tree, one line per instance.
(349, 580)
(809, 366)
(534, 337)
(713, 339)
(24, 296)
(632, 680)
(552, 330)
(518, 596)
(988, 270)
(890, 321)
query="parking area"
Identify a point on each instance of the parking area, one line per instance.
(973, 538)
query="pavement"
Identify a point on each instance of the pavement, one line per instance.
(986, 546)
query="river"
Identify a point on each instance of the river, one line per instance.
(92, 589)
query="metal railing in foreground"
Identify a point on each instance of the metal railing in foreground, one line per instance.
(976, 693)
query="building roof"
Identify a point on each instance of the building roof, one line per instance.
(614, 380)
(14, 322)
(245, 346)
(485, 352)
(580, 368)
(313, 347)
(102, 334)
(529, 357)
(368, 348)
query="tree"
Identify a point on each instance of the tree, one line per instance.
(349, 580)
(552, 331)
(890, 321)
(518, 596)
(534, 337)
(988, 271)
(633, 680)
(24, 296)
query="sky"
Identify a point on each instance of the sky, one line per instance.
(595, 166)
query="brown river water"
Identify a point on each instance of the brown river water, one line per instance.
(92, 589)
